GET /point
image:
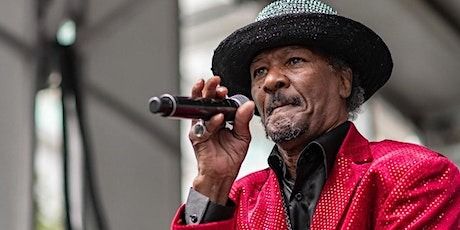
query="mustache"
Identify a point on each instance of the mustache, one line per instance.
(277, 100)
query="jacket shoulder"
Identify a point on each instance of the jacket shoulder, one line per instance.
(413, 185)
(393, 159)
(395, 150)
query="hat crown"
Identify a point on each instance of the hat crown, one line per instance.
(293, 7)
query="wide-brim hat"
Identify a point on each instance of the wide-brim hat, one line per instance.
(309, 23)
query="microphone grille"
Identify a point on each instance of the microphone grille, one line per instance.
(240, 99)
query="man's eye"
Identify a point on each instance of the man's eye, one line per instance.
(259, 72)
(295, 60)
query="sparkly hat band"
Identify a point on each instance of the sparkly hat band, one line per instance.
(294, 6)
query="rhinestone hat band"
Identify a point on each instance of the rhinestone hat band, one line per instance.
(294, 6)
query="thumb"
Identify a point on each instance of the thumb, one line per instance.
(243, 116)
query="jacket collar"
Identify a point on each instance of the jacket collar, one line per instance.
(355, 147)
(351, 163)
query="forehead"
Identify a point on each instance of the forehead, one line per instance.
(282, 51)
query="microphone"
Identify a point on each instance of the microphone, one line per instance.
(195, 108)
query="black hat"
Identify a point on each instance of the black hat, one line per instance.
(310, 23)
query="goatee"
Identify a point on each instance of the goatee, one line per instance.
(286, 129)
(284, 134)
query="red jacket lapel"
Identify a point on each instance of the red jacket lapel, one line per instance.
(350, 164)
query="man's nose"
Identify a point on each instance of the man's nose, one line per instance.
(275, 80)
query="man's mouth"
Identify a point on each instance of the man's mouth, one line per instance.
(279, 101)
(272, 109)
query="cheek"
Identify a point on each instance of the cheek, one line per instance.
(326, 97)
(257, 96)
(310, 88)
(317, 89)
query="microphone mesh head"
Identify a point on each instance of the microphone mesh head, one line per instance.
(240, 99)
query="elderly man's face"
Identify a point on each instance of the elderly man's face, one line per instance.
(298, 93)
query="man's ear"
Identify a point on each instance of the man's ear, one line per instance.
(346, 78)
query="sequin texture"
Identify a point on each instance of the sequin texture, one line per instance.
(294, 7)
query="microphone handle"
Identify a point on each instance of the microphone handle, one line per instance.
(185, 107)
(204, 108)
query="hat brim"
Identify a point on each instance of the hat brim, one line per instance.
(351, 41)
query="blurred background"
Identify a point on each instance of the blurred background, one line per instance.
(78, 147)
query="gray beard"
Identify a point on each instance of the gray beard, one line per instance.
(288, 131)
(285, 133)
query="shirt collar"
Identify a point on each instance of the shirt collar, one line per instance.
(327, 145)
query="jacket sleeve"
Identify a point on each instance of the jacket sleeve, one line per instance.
(426, 197)
(179, 224)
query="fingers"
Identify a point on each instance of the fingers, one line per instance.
(241, 130)
(197, 88)
(215, 123)
(242, 118)
(221, 92)
(209, 90)
(213, 126)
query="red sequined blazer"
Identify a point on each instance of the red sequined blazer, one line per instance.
(373, 185)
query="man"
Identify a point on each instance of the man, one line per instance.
(307, 70)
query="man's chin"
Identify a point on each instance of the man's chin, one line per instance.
(282, 126)
(279, 120)
(282, 136)
(283, 129)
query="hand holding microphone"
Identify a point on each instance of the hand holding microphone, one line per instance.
(219, 151)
